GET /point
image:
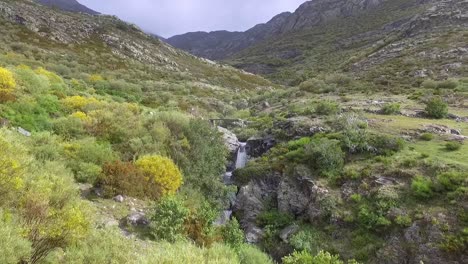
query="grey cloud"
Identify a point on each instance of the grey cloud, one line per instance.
(171, 17)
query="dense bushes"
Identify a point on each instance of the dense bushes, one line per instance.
(167, 221)
(436, 108)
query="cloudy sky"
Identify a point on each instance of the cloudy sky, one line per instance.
(172, 17)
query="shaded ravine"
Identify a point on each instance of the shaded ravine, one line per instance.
(240, 162)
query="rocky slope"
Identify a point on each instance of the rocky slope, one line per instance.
(364, 38)
(222, 44)
(68, 5)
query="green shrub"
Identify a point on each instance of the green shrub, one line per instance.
(453, 146)
(167, 221)
(309, 239)
(232, 234)
(274, 219)
(437, 108)
(429, 84)
(403, 220)
(427, 136)
(447, 84)
(305, 257)
(14, 248)
(313, 85)
(386, 144)
(422, 187)
(249, 254)
(325, 156)
(391, 109)
(253, 171)
(327, 108)
(451, 181)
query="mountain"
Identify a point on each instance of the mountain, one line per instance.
(218, 45)
(336, 35)
(222, 44)
(68, 5)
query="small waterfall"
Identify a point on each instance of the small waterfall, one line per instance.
(241, 160)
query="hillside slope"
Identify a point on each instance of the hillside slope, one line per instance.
(69, 5)
(360, 37)
(370, 44)
(107, 45)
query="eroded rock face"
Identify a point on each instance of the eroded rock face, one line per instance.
(418, 244)
(299, 195)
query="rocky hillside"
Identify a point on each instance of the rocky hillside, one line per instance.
(222, 44)
(107, 44)
(68, 5)
(361, 37)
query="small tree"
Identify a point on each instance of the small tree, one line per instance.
(167, 222)
(162, 171)
(437, 108)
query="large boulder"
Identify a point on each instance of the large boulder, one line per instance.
(230, 140)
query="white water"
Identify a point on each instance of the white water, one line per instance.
(241, 159)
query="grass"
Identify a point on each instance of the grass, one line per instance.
(398, 124)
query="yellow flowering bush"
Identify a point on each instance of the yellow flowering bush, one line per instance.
(7, 84)
(163, 171)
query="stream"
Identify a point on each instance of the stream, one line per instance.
(241, 161)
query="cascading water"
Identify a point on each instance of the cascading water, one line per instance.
(241, 161)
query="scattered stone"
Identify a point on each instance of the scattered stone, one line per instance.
(24, 132)
(119, 198)
(254, 235)
(287, 232)
(137, 219)
(99, 192)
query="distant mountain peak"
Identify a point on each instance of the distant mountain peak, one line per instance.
(68, 5)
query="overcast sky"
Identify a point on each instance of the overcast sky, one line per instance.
(173, 17)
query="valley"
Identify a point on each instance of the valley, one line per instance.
(333, 134)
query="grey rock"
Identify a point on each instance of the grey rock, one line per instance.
(287, 232)
(24, 132)
(119, 198)
(253, 235)
(230, 140)
(137, 219)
